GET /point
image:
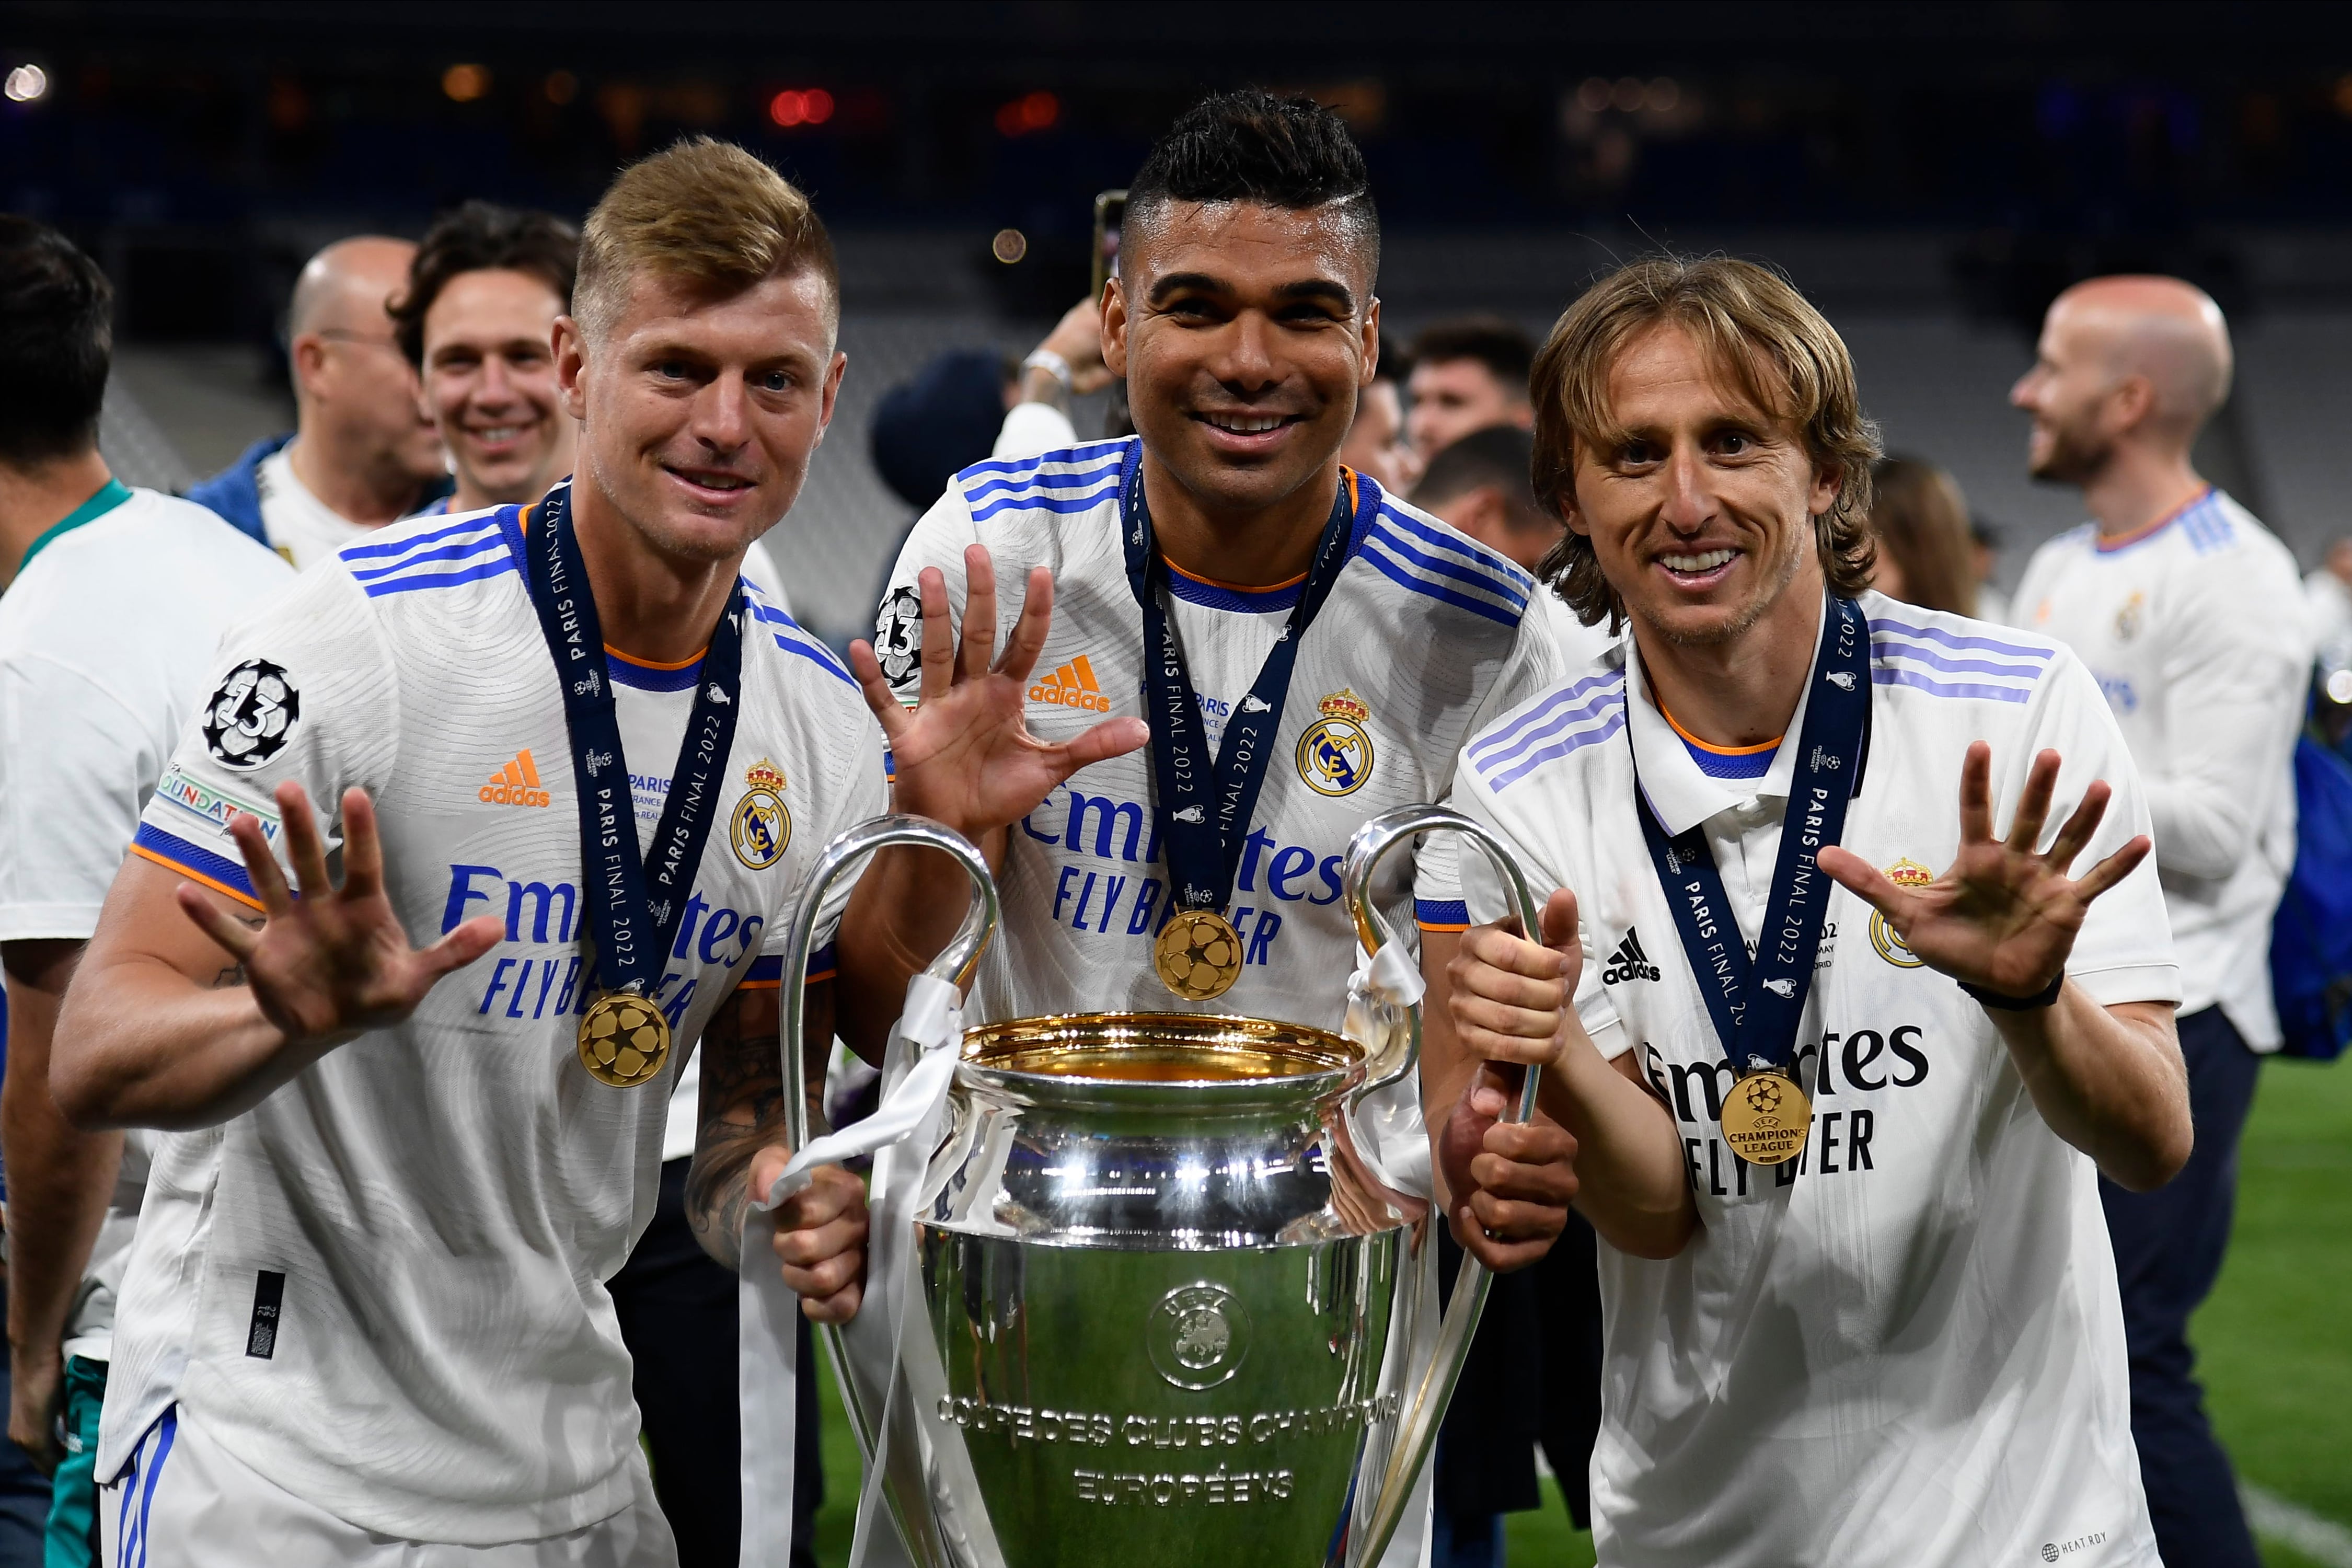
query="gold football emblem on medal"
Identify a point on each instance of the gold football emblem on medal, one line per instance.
(1198, 955)
(1890, 947)
(624, 1040)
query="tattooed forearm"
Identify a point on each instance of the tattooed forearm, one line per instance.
(743, 1111)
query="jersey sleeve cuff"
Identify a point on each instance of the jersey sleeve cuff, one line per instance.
(1609, 1039)
(2130, 983)
(47, 923)
(767, 971)
(194, 862)
(1441, 914)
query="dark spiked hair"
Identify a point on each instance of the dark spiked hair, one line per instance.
(57, 341)
(1250, 146)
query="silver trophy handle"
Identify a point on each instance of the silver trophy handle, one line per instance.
(1417, 1430)
(955, 964)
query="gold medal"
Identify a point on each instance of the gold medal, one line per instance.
(624, 1039)
(1766, 1116)
(1198, 955)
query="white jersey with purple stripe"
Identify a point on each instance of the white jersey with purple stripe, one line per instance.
(1904, 1349)
(1424, 634)
(2196, 631)
(382, 1287)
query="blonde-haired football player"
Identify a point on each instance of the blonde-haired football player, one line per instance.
(1815, 846)
(567, 744)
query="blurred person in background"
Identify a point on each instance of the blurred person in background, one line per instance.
(1984, 554)
(117, 597)
(2328, 593)
(476, 320)
(1376, 443)
(1481, 484)
(944, 418)
(1467, 373)
(1926, 555)
(1067, 364)
(363, 452)
(2190, 614)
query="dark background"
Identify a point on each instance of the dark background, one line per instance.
(1931, 173)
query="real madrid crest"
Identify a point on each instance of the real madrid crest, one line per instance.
(762, 825)
(1903, 874)
(2129, 618)
(1334, 754)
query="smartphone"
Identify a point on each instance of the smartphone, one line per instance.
(1110, 211)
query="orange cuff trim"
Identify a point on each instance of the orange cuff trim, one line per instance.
(1426, 925)
(248, 900)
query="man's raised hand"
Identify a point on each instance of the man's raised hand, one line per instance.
(334, 963)
(964, 755)
(2003, 916)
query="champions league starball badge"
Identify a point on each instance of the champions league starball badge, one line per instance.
(1766, 1118)
(624, 1039)
(1198, 955)
(249, 718)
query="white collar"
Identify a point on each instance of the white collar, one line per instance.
(1681, 795)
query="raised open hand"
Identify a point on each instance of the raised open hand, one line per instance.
(964, 755)
(335, 963)
(2002, 916)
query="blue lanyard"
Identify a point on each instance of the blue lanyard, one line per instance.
(1759, 1003)
(1203, 809)
(635, 905)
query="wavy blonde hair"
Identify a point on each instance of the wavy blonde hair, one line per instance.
(1764, 338)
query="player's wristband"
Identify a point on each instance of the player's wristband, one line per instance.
(2045, 998)
(1049, 362)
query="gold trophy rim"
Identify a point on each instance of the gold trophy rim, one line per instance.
(1230, 1048)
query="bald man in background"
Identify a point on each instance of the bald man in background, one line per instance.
(362, 451)
(2191, 615)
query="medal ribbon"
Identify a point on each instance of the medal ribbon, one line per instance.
(634, 904)
(1203, 810)
(1758, 1003)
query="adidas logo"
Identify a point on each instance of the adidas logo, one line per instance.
(1629, 962)
(516, 783)
(1072, 686)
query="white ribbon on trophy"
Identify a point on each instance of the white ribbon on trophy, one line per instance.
(917, 1068)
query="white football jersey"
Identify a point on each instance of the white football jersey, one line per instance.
(106, 647)
(1904, 1349)
(1425, 631)
(381, 1287)
(2198, 632)
(302, 527)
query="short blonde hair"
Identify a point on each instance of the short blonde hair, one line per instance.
(1764, 337)
(705, 214)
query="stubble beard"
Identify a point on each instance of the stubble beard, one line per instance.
(1759, 605)
(2070, 460)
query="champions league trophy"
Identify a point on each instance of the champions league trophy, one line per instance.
(1143, 1289)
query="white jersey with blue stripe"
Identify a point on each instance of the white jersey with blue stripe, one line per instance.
(2198, 632)
(1424, 634)
(1904, 1349)
(382, 1287)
